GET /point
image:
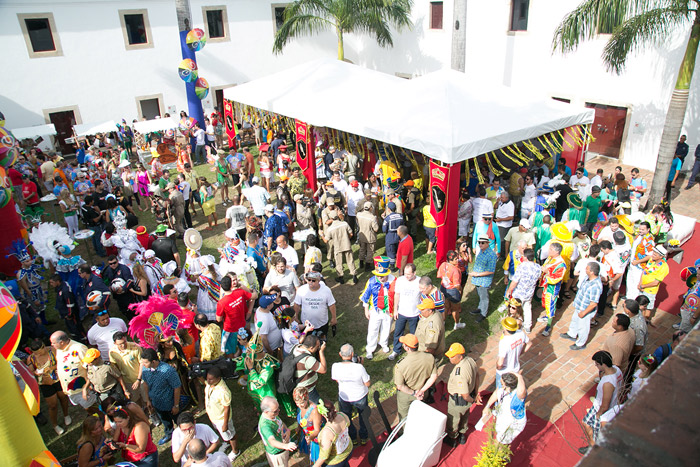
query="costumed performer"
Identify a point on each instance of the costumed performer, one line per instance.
(29, 278)
(378, 301)
(172, 276)
(690, 310)
(192, 268)
(209, 285)
(553, 273)
(234, 259)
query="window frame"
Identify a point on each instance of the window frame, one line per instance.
(224, 19)
(58, 49)
(512, 16)
(442, 16)
(161, 103)
(146, 24)
(273, 7)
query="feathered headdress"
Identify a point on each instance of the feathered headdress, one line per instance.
(157, 319)
(46, 236)
(19, 250)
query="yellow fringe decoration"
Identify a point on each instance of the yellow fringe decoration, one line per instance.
(498, 162)
(511, 158)
(564, 140)
(573, 136)
(546, 146)
(555, 142)
(479, 175)
(493, 169)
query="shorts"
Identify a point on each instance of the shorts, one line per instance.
(236, 179)
(452, 295)
(229, 433)
(430, 233)
(77, 399)
(594, 422)
(50, 390)
(229, 342)
(197, 198)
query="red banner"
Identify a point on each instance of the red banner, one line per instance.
(305, 153)
(229, 123)
(444, 204)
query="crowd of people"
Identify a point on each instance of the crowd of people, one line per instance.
(267, 304)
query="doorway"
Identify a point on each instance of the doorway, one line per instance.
(150, 108)
(608, 129)
(63, 121)
(219, 101)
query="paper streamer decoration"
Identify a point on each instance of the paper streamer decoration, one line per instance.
(186, 125)
(2, 119)
(196, 40)
(188, 70)
(201, 88)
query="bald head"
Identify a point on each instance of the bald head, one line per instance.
(59, 340)
(197, 449)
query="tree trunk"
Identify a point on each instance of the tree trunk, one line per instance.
(184, 15)
(459, 35)
(341, 49)
(675, 116)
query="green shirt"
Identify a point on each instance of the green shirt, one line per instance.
(274, 428)
(593, 206)
(163, 182)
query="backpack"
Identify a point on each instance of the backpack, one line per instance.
(286, 380)
(665, 352)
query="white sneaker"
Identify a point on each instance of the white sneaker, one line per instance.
(232, 455)
(67, 420)
(392, 356)
(386, 350)
(459, 326)
(369, 356)
(542, 319)
(59, 430)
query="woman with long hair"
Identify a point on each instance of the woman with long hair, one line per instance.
(141, 287)
(207, 192)
(69, 206)
(464, 258)
(143, 181)
(42, 362)
(134, 439)
(109, 407)
(265, 169)
(171, 352)
(310, 423)
(334, 439)
(115, 213)
(93, 450)
(515, 310)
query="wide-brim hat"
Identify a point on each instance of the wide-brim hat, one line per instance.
(192, 239)
(561, 232)
(381, 266)
(124, 163)
(574, 200)
(161, 228)
(626, 223)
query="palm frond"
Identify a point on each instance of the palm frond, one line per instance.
(299, 25)
(586, 20)
(651, 26)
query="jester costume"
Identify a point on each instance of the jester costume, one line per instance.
(691, 299)
(378, 297)
(554, 271)
(29, 274)
(511, 263)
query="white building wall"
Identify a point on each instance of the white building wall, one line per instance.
(98, 75)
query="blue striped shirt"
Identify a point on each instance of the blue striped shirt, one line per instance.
(589, 291)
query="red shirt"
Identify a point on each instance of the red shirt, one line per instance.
(29, 192)
(233, 307)
(450, 275)
(15, 176)
(145, 240)
(405, 249)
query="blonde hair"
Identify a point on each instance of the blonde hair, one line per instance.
(88, 425)
(139, 272)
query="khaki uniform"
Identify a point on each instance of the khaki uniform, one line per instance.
(431, 334)
(367, 238)
(412, 371)
(177, 211)
(325, 216)
(462, 381)
(339, 234)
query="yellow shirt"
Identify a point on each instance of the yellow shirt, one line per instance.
(217, 398)
(70, 367)
(654, 271)
(428, 219)
(418, 183)
(127, 362)
(210, 343)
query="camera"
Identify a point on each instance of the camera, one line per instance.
(356, 359)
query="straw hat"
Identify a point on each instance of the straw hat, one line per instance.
(193, 239)
(561, 232)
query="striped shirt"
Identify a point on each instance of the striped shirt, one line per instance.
(588, 292)
(437, 297)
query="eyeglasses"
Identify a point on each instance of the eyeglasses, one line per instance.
(311, 280)
(113, 263)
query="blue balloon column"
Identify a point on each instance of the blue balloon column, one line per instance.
(191, 42)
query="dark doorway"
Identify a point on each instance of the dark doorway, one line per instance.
(150, 108)
(63, 121)
(219, 96)
(608, 128)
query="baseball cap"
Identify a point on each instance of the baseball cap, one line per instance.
(283, 178)
(525, 223)
(298, 196)
(426, 304)
(91, 355)
(270, 208)
(267, 300)
(455, 349)
(410, 340)
(255, 180)
(595, 189)
(391, 205)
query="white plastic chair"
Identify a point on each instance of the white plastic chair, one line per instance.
(421, 442)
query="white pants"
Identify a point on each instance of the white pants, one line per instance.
(527, 314)
(72, 224)
(378, 330)
(634, 274)
(580, 327)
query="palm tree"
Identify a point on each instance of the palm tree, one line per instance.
(635, 25)
(309, 17)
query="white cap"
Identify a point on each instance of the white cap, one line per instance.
(149, 254)
(525, 223)
(233, 233)
(269, 207)
(660, 250)
(255, 180)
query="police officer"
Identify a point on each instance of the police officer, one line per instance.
(413, 197)
(413, 375)
(430, 330)
(390, 227)
(326, 221)
(463, 387)
(367, 238)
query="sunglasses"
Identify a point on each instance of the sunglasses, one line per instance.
(311, 280)
(113, 263)
(103, 312)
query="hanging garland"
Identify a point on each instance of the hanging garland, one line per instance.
(493, 170)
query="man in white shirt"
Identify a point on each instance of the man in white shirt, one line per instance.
(313, 302)
(406, 300)
(101, 334)
(511, 346)
(353, 383)
(186, 431)
(481, 205)
(201, 457)
(609, 230)
(288, 252)
(353, 195)
(578, 180)
(505, 213)
(200, 155)
(598, 179)
(338, 182)
(235, 216)
(257, 196)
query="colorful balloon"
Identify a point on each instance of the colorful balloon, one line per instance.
(7, 140)
(10, 323)
(196, 39)
(201, 88)
(188, 70)
(5, 197)
(8, 156)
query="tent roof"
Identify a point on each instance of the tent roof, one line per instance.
(157, 124)
(444, 115)
(94, 128)
(33, 131)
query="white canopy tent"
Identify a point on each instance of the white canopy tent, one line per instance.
(157, 124)
(93, 128)
(34, 131)
(444, 115)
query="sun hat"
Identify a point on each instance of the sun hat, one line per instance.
(141, 230)
(561, 232)
(574, 200)
(660, 250)
(161, 228)
(192, 239)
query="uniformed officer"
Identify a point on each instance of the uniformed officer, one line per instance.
(390, 227)
(463, 388)
(326, 221)
(430, 330)
(412, 199)
(413, 375)
(367, 238)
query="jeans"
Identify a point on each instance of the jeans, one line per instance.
(188, 217)
(97, 240)
(483, 293)
(200, 154)
(166, 416)
(150, 460)
(347, 408)
(399, 328)
(696, 170)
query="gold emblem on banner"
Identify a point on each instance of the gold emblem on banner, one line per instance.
(439, 174)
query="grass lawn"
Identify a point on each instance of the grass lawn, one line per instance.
(352, 328)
